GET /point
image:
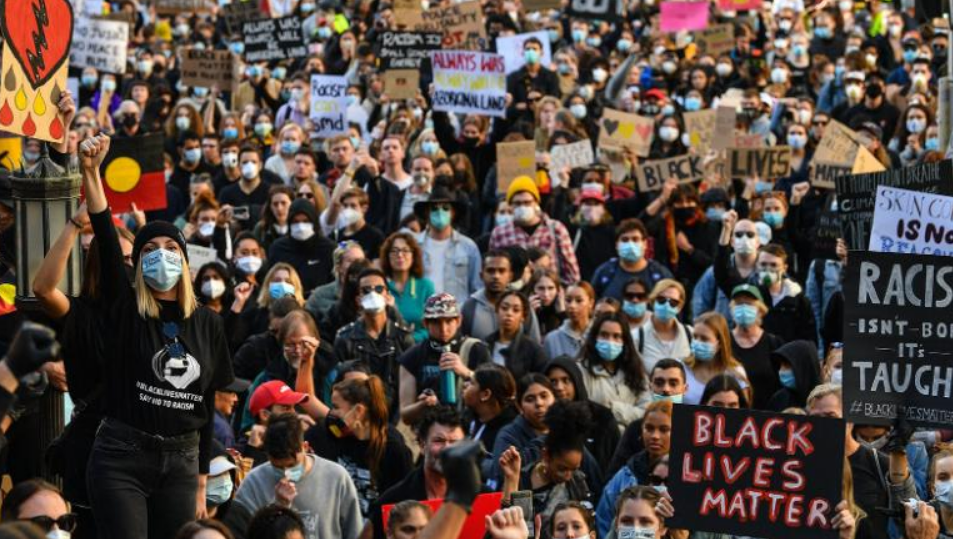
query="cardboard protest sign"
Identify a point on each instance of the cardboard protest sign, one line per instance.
(739, 5)
(199, 256)
(238, 13)
(764, 163)
(700, 126)
(511, 47)
(835, 155)
(401, 83)
(677, 15)
(651, 175)
(514, 159)
(725, 119)
(461, 24)
(207, 68)
(912, 222)
(541, 5)
(182, 6)
(748, 140)
(897, 322)
(621, 129)
(466, 82)
(825, 236)
(605, 10)
(572, 155)
(34, 71)
(273, 39)
(856, 194)
(474, 527)
(407, 50)
(133, 172)
(100, 44)
(407, 12)
(328, 104)
(716, 40)
(755, 474)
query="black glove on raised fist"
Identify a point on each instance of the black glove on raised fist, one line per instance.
(460, 469)
(32, 346)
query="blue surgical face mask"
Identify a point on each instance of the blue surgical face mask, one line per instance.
(674, 399)
(692, 104)
(356, 142)
(292, 474)
(192, 156)
(822, 32)
(633, 309)
(218, 490)
(31, 157)
(351, 100)
(578, 36)
(745, 315)
(230, 132)
(324, 32)
(531, 56)
(89, 80)
(703, 351)
(553, 35)
(715, 214)
(279, 290)
(773, 219)
(761, 187)
(932, 144)
(162, 269)
(909, 56)
(563, 68)
(429, 147)
(623, 45)
(578, 110)
(943, 492)
(631, 251)
(238, 47)
(664, 312)
(608, 350)
(594, 41)
(289, 147)
(787, 378)
(439, 219)
(200, 91)
(668, 110)
(279, 73)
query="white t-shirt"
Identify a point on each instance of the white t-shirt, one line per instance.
(435, 256)
(654, 348)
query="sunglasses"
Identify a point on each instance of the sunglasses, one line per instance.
(819, 122)
(368, 289)
(635, 296)
(656, 481)
(672, 302)
(66, 522)
(309, 196)
(740, 235)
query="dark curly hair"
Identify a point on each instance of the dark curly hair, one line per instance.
(443, 415)
(568, 423)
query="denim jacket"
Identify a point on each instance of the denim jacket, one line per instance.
(461, 267)
(708, 296)
(820, 294)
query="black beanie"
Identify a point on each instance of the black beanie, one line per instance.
(155, 229)
(302, 205)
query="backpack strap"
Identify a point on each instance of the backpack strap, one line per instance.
(465, 347)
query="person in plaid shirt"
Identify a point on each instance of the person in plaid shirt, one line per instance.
(531, 227)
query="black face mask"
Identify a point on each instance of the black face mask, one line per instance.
(129, 121)
(471, 141)
(682, 215)
(874, 91)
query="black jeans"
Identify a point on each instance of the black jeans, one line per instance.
(141, 486)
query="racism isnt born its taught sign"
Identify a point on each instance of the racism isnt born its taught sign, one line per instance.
(469, 82)
(757, 474)
(898, 326)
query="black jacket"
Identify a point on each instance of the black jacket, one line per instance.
(802, 356)
(353, 342)
(312, 258)
(523, 355)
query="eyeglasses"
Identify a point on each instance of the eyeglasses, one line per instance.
(66, 522)
(401, 251)
(635, 296)
(673, 302)
(819, 122)
(378, 288)
(743, 234)
(837, 345)
(309, 196)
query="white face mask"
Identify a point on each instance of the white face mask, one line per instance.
(503, 219)
(628, 532)
(837, 376)
(599, 74)
(249, 264)
(668, 133)
(302, 231)
(249, 171)
(230, 160)
(58, 534)
(348, 217)
(207, 228)
(744, 246)
(213, 288)
(373, 302)
(524, 214)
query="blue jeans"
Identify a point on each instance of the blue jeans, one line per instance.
(133, 475)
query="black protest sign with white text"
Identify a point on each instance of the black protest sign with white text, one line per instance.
(752, 473)
(898, 331)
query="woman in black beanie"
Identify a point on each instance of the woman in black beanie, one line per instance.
(165, 358)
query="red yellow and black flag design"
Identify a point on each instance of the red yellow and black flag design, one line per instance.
(133, 172)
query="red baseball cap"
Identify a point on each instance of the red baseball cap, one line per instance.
(274, 392)
(656, 93)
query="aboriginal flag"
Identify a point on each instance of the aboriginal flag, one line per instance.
(133, 172)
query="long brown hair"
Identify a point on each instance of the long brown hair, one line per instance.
(90, 285)
(724, 360)
(370, 393)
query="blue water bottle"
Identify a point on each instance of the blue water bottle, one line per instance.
(448, 382)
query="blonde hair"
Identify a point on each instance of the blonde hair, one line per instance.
(664, 285)
(824, 390)
(185, 295)
(264, 296)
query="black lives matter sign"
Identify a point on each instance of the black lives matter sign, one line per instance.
(273, 39)
(898, 339)
(752, 473)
